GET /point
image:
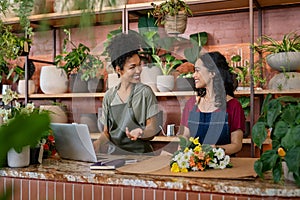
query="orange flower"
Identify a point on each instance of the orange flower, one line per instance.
(192, 161)
(199, 166)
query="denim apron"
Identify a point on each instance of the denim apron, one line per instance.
(211, 128)
(122, 116)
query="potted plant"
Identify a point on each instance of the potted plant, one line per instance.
(19, 156)
(185, 80)
(280, 116)
(71, 61)
(92, 70)
(167, 63)
(12, 47)
(172, 14)
(282, 55)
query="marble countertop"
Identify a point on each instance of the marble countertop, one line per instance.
(74, 171)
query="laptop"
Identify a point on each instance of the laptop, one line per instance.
(73, 142)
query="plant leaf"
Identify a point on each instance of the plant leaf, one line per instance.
(259, 133)
(292, 159)
(274, 109)
(258, 165)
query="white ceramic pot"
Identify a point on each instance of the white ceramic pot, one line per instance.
(149, 76)
(165, 83)
(53, 80)
(21, 87)
(15, 159)
(287, 175)
(285, 81)
(57, 113)
(289, 60)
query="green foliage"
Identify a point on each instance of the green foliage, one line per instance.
(78, 59)
(245, 102)
(289, 43)
(23, 130)
(166, 63)
(198, 40)
(90, 67)
(169, 7)
(23, 12)
(12, 47)
(282, 115)
(243, 72)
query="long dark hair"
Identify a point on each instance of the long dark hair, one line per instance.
(223, 80)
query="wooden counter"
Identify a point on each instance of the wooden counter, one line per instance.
(64, 179)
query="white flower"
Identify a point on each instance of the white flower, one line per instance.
(222, 165)
(227, 159)
(30, 107)
(220, 153)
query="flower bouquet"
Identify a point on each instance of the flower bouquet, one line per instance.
(193, 156)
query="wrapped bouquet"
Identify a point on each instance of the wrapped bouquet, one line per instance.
(193, 156)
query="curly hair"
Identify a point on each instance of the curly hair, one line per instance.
(122, 47)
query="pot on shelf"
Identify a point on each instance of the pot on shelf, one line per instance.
(165, 83)
(53, 80)
(76, 85)
(95, 85)
(185, 84)
(21, 86)
(289, 60)
(149, 76)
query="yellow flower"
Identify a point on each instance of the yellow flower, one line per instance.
(184, 170)
(197, 148)
(174, 167)
(281, 152)
(196, 141)
(186, 149)
(191, 139)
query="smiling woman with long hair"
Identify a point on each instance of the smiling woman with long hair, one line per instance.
(214, 115)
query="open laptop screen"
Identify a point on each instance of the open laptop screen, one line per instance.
(73, 142)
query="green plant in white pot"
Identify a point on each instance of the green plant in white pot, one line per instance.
(167, 63)
(281, 55)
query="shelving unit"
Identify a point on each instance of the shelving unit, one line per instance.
(130, 13)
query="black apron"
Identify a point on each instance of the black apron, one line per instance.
(211, 128)
(122, 116)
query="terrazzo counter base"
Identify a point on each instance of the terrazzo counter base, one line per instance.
(65, 179)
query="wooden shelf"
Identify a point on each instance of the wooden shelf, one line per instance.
(158, 94)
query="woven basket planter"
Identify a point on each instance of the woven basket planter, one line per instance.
(175, 24)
